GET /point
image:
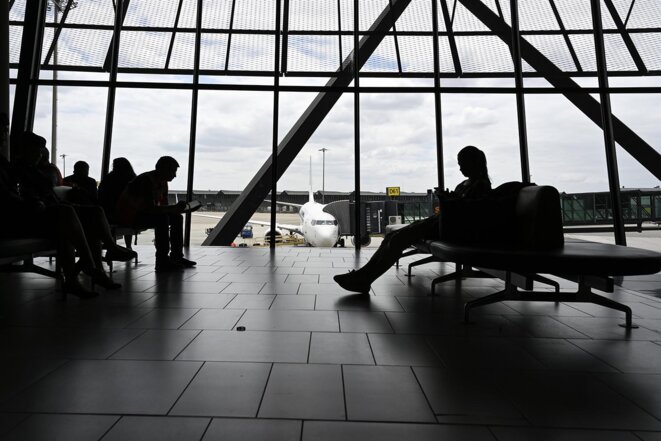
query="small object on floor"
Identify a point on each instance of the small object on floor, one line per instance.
(168, 266)
(120, 254)
(183, 262)
(78, 290)
(240, 328)
(351, 281)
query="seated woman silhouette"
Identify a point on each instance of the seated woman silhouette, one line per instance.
(473, 165)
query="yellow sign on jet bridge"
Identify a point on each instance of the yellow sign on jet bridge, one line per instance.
(392, 191)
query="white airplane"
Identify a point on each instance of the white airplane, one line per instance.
(318, 228)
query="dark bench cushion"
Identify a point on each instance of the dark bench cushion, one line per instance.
(24, 247)
(574, 258)
(514, 215)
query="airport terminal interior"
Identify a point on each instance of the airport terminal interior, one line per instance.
(260, 343)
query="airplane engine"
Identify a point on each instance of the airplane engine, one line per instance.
(278, 236)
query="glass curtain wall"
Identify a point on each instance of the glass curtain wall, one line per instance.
(156, 63)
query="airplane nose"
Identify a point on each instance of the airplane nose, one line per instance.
(326, 237)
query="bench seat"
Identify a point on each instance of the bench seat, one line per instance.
(24, 250)
(574, 258)
(536, 245)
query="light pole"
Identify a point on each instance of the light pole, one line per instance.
(64, 164)
(323, 174)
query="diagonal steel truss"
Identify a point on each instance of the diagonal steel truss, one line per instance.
(629, 140)
(258, 188)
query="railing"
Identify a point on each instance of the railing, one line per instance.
(638, 206)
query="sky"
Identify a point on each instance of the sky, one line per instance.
(397, 142)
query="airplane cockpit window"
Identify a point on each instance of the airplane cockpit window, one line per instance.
(324, 222)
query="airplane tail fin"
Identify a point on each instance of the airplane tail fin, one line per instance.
(311, 195)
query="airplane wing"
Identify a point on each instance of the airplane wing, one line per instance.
(291, 204)
(291, 228)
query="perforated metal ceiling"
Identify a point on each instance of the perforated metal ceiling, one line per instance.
(238, 36)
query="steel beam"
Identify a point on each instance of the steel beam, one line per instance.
(113, 60)
(4, 77)
(25, 98)
(357, 239)
(607, 122)
(624, 136)
(174, 34)
(520, 97)
(438, 118)
(453, 43)
(121, 5)
(631, 47)
(58, 31)
(260, 185)
(276, 119)
(193, 118)
(565, 35)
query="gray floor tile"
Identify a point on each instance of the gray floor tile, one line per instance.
(364, 321)
(607, 328)
(649, 436)
(220, 319)
(244, 287)
(251, 346)
(280, 288)
(275, 320)
(559, 354)
(402, 350)
(469, 353)
(168, 318)
(251, 301)
(357, 302)
(644, 390)
(64, 342)
(189, 287)
(194, 301)
(525, 434)
(303, 278)
(157, 345)
(61, 428)
(627, 356)
(293, 302)
(352, 431)
(204, 277)
(385, 393)
(304, 391)
(225, 389)
(108, 386)
(17, 374)
(227, 429)
(544, 327)
(336, 348)
(10, 420)
(521, 370)
(463, 392)
(572, 401)
(131, 428)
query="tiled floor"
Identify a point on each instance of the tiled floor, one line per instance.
(258, 346)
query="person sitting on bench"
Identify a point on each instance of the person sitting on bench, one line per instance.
(38, 188)
(144, 204)
(112, 187)
(473, 165)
